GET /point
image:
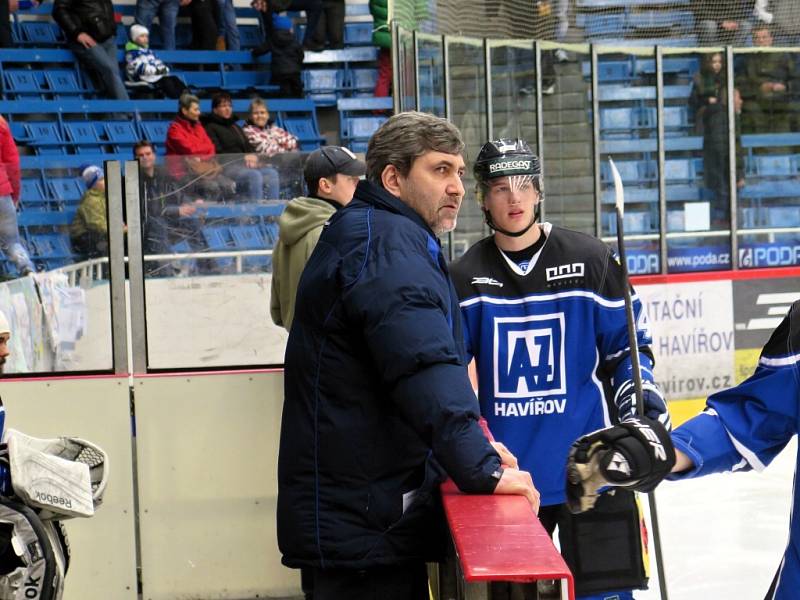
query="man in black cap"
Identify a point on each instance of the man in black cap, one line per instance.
(331, 175)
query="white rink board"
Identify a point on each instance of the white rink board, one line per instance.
(207, 448)
(103, 563)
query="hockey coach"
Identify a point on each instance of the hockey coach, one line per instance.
(378, 406)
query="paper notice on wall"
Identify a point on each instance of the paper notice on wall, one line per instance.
(693, 342)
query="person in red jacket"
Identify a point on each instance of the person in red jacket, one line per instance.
(9, 198)
(191, 154)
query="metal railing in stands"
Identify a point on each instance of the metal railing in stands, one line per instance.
(92, 269)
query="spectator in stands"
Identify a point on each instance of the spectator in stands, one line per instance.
(268, 8)
(331, 25)
(169, 213)
(331, 175)
(242, 163)
(715, 155)
(378, 406)
(723, 22)
(145, 70)
(91, 35)
(229, 30)
(707, 86)
(267, 138)
(382, 38)
(785, 22)
(89, 229)
(191, 154)
(287, 59)
(203, 14)
(167, 11)
(764, 81)
(10, 184)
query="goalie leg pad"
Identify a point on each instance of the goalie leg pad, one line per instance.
(32, 559)
(605, 548)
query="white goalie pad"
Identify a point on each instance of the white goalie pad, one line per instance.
(63, 477)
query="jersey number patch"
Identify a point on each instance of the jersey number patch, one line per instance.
(529, 356)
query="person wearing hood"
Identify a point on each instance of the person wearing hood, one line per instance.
(253, 180)
(331, 175)
(143, 69)
(287, 59)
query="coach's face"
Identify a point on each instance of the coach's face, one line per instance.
(433, 188)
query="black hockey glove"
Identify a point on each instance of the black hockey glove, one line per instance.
(655, 406)
(636, 454)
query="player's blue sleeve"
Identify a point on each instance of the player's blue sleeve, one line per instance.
(465, 324)
(744, 427)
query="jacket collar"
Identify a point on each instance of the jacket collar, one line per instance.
(378, 197)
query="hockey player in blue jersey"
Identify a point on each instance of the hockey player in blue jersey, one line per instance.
(741, 428)
(545, 323)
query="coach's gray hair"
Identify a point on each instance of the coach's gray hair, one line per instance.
(186, 101)
(405, 137)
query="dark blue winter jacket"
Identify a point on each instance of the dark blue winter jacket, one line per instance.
(377, 404)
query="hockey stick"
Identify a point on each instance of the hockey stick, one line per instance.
(633, 341)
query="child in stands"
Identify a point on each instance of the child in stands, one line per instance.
(89, 229)
(143, 69)
(287, 58)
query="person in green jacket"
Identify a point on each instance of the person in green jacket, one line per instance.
(331, 175)
(89, 229)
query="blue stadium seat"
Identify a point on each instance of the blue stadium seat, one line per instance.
(23, 82)
(323, 86)
(362, 80)
(121, 134)
(66, 190)
(31, 194)
(358, 121)
(250, 237)
(773, 165)
(603, 25)
(358, 34)
(680, 170)
(250, 36)
(218, 239)
(64, 82)
(85, 137)
(44, 137)
(53, 250)
(783, 216)
(271, 231)
(40, 33)
(246, 80)
(633, 172)
(155, 131)
(620, 122)
(202, 79)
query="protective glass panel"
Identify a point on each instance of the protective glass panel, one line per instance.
(696, 166)
(209, 226)
(430, 74)
(60, 317)
(568, 159)
(768, 155)
(406, 75)
(468, 113)
(513, 90)
(629, 135)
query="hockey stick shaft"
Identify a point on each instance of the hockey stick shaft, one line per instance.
(633, 342)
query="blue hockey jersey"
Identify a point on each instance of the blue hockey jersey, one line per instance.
(550, 344)
(745, 427)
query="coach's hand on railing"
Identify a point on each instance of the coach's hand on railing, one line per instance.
(514, 481)
(508, 459)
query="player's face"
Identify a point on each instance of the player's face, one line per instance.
(4, 351)
(433, 188)
(511, 201)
